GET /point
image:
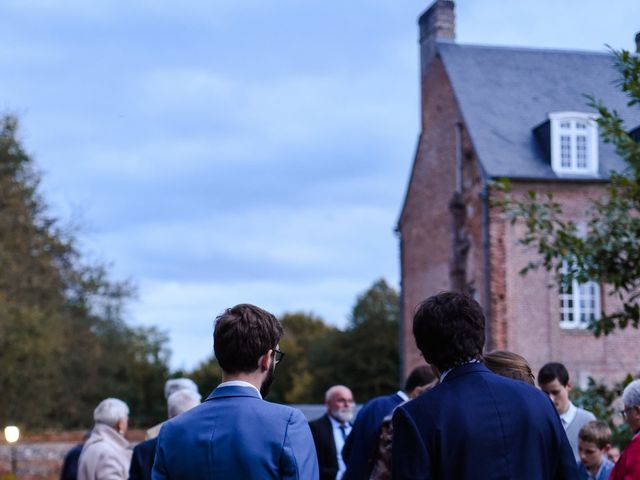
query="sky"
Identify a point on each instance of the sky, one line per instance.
(228, 151)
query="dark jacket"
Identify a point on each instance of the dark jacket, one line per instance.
(359, 448)
(142, 460)
(322, 432)
(476, 424)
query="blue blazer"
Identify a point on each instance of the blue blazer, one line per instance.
(235, 435)
(478, 425)
(358, 451)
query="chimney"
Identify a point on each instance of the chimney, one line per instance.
(437, 23)
(638, 42)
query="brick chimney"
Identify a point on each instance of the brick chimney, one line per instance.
(437, 23)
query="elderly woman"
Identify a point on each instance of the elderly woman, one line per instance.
(628, 465)
(106, 454)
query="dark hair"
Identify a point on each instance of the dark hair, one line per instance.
(449, 329)
(419, 377)
(510, 365)
(596, 432)
(552, 370)
(242, 334)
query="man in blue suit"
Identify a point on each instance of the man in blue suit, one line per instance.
(235, 434)
(359, 449)
(474, 424)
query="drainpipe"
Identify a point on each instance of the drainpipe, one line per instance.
(486, 265)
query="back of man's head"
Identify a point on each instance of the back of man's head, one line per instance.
(174, 384)
(552, 371)
(242, 335)
(419, 377)
(449, 329)
(182, 400)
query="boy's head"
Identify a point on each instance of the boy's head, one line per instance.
(594, 441)
(553, 379)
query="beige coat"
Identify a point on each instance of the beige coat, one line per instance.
(105, 456)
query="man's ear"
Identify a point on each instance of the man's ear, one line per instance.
(606, 448)
(569, 386)
(264, 360)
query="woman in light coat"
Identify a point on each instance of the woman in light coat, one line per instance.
(106, 455)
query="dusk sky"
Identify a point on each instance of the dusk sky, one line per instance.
(235, 151)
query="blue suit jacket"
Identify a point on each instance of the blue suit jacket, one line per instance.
(359, 449)
(476, 424)
(142, 460)
(235, 434)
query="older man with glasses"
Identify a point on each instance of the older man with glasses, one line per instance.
(628, 465)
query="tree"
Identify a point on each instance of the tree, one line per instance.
(609, 250)
(64, 345)
(295, 377)
(366, 356)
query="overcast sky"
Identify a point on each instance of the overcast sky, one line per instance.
(228, 151)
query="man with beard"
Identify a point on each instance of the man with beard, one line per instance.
(331, 431)
(235, 433)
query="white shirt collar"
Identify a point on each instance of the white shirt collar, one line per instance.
(239, 383)
(568, 416)
(402, 395)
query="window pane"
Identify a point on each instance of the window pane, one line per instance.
(581, 151)
(565, 151)
(581, 125)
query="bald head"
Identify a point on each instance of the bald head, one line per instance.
(339, 402)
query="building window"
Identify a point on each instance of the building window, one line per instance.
(579, 303)
(574, 143)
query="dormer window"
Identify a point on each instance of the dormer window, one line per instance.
(574, 143)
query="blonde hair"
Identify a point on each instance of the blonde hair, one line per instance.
(510, 365)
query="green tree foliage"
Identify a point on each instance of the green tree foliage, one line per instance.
(63, 343)
(601, 400)
(366, 356)
(609, 250)
(295, 376)
(207, 376)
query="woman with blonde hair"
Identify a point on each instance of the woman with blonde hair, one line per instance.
(510, 365)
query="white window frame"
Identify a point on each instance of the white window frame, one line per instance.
(566, 124)
(580, 305)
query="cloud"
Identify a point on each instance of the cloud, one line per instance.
(189, 309)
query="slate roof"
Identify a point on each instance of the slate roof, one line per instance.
(504, 93)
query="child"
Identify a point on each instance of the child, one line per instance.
(594, 442)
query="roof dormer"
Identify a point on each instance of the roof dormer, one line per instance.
(573, 143)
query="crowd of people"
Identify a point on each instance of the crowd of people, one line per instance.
(468, 415)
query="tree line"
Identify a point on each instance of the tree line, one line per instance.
(65, 343)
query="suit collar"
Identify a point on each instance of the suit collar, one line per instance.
(234, 391)
(456, 372)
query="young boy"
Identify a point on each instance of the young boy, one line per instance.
(553, 379)
(594, 442)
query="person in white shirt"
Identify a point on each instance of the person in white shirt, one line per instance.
(553, 379)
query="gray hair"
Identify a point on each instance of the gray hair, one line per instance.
(329, 393)
(181, 401)
(110, 411)
(631, 394)
(176, 384)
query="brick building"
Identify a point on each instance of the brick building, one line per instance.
(519, 113)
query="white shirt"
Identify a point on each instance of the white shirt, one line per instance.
(339, 441)
(568, 416)
(239, 383)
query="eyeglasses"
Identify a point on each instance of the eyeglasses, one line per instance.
(624, 412)
(277, 355)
